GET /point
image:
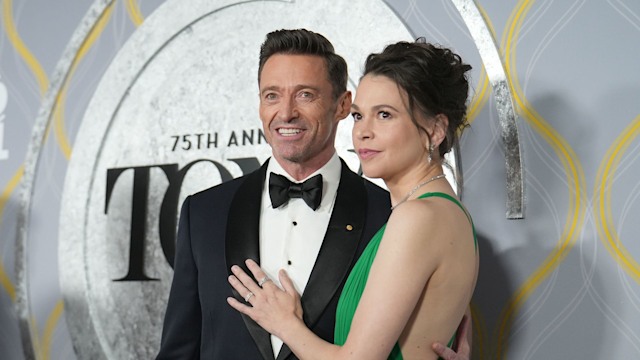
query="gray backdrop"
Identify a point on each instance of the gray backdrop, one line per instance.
(561, 283)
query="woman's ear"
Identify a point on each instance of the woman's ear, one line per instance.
(439, 131)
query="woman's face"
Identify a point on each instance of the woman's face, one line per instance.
(385, 138)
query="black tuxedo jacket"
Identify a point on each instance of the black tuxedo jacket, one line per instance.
(218, 228)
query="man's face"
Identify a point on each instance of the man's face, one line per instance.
(298, 111)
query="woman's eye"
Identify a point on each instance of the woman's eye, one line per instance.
(384, 114)
(356, 116)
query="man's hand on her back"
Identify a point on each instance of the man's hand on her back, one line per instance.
(464, 336)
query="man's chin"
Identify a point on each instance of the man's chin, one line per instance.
(289, 149)
(290, 157)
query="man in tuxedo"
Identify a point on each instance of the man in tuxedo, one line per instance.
(303, 211)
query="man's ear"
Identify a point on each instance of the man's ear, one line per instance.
(344, 105)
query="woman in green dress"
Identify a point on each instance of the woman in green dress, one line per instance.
(413, 283)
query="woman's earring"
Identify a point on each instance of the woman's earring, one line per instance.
(430, 152)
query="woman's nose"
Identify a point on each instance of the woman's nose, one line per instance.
(362, 129)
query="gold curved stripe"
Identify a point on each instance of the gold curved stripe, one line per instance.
(37, 349)
(21, 48)
(134, 12)
(9, 189)
(6, 283)
(575, 179)
(58, 115)
(59, 105)
(50, 327)
(602, 193)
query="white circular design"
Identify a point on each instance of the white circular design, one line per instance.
(179, 102)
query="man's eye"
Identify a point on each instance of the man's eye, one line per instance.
(270, 96)
(306, 95)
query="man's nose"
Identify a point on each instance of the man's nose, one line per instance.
(288, 110)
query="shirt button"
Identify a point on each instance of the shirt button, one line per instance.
(295, 223)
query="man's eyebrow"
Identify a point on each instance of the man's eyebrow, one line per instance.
(304, 86)
(269, 88)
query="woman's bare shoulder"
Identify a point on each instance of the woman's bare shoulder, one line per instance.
(432, 222)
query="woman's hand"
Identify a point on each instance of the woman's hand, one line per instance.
(274, 309)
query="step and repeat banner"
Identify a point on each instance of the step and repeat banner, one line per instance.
(113, 111)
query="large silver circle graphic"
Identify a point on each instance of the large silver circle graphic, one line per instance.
(176, 112)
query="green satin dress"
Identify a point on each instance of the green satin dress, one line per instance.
(354, 287)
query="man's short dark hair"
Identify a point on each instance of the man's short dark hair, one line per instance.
(305, 42)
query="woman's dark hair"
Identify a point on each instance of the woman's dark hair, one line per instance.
(305, 42)
(434, 79)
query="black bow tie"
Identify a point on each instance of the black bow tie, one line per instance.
(281, 190)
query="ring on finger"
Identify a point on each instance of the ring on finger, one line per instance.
(249, 295)
(263, 280)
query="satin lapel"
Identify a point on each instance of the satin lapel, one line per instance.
(242, 242)
(338, 248)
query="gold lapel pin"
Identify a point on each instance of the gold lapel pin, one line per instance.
(349, 227)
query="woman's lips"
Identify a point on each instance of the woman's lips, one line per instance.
(365, 154)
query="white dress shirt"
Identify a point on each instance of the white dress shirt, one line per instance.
(291, 235)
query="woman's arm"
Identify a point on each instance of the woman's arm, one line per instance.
(418, 243)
